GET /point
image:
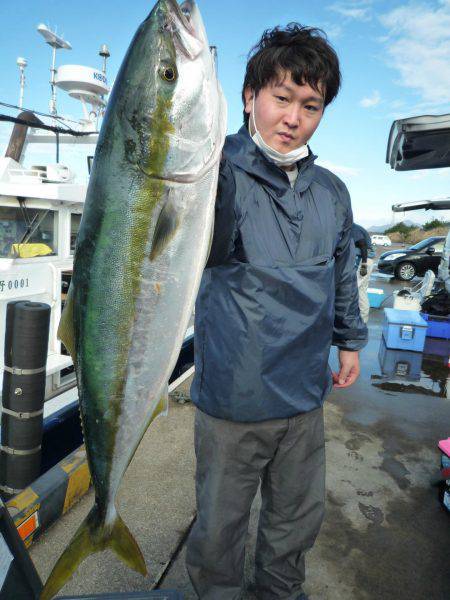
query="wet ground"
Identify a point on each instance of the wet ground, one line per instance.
(385, 536)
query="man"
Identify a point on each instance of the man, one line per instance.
(279, 288)
(364, 266)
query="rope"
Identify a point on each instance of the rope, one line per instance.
(47, 127)
(37, 113)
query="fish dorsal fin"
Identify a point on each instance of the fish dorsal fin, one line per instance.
(166, 227)
(66, 330)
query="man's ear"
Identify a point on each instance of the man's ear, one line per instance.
(248, 95)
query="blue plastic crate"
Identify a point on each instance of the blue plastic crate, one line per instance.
(437, 349)
(438, 327)
(400, 364)
(376, 297)
(404, 329)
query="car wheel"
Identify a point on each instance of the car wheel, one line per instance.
(405, 271)
(385, 245)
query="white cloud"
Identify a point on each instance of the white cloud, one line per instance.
(339, 169)
(405, 110)
(359, 10)
(418, 48)
(418, 175)
(353, 13)
(333, 30)
(371, 101)
(431, 173)
(397, 103)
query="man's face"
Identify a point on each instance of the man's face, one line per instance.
(286, 114)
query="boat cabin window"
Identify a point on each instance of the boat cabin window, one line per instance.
(75, 220)
(27, 232)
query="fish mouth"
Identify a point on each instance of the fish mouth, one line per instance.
(187, 8)
(182, 13)
(184, 22)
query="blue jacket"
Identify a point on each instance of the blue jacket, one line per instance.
(279, 287)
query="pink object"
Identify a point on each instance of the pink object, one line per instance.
(444, 445)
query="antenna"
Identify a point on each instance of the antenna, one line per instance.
(213, 50)
(104, 53)
(57, 43)
(21, 63)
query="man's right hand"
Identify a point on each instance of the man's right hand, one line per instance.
(363, 270)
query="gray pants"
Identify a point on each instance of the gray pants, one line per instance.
(288, 457)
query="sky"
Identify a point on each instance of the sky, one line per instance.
(395, 62)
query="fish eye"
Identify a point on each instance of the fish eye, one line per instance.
(168, 73)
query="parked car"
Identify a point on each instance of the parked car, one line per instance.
(380, 240)
(406, 264)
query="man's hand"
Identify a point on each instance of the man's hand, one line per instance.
(363, 269)
(349, 369)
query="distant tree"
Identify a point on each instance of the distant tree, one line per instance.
(435, 223)
(404, 230)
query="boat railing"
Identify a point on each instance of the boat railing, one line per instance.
(27, 175)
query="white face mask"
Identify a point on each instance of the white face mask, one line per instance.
(281, 160)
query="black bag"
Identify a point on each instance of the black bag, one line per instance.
(438, 304)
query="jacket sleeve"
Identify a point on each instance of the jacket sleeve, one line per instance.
(362, 245)
(350, 332)
(225, 223)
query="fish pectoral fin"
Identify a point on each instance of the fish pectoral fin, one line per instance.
(166, 227)
(66, 330)
(93, 536)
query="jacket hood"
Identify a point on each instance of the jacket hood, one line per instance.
(242, 151)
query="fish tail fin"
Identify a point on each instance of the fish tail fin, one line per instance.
(92, 536)
(81, 545)
(125, 546)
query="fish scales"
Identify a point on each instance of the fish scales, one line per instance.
(141, 249)
(148, 376)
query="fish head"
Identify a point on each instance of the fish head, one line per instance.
(172, 107)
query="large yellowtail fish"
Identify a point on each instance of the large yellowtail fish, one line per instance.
(141, 249)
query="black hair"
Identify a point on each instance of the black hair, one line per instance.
(304, 52)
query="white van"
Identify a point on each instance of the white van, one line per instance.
(380, 240)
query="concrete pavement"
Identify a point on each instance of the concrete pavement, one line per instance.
(385, 535)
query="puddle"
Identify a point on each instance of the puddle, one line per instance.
(388, 374)
(404, 371)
